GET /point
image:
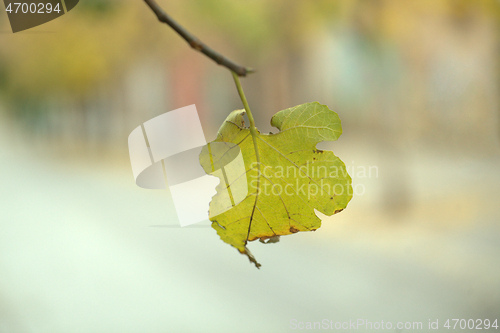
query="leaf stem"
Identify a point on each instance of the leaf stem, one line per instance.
(253, 129)
(243, 99)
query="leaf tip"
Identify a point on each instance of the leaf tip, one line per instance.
(250, 257)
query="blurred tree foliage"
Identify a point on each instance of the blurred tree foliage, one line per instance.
(99, 40)
(96, 42)
(253, 26)
(71, 55)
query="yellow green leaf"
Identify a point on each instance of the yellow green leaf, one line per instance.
(292, 179)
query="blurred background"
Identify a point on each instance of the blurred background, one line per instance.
(416, 84)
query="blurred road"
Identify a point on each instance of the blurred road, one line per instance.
(78, 253)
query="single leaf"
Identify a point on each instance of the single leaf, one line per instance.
(292, 179)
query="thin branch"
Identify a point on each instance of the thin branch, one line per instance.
(195, 43)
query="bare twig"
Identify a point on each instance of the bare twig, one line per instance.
(195, 43)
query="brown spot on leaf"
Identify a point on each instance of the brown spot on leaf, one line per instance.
(293, 230)
(338, 211)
